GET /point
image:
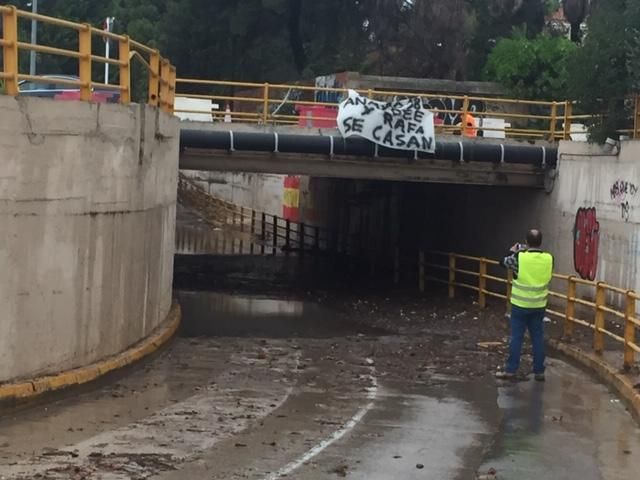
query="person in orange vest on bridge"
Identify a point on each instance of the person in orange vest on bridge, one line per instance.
(470, 126)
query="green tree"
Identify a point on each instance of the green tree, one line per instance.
(604, 72)
(531, 68)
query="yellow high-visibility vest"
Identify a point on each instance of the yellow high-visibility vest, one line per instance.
(531, 288)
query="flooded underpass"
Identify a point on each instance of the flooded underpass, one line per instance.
(275, 375)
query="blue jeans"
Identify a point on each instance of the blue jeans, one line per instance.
(526, 319)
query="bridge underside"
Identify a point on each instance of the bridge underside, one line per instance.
(354, 158)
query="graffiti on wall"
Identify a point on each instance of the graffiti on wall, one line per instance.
(452, 104)
(621, 192)
(586, 237)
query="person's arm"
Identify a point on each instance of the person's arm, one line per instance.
(510, 261)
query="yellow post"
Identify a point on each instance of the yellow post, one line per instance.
(421, 271)
(370, 93)
(482, 283)
(554, 120)
(125, 70)
(85, 62)
(570, 309)
(568, 113)
(598, 336)
(629, 330)
(154, 78)
(265, 103)
(172, 88)
(452, 275)
(10, 50)
(465, 111)
(164, 84)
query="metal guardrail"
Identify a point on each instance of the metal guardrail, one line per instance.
(265, 103)
(161, 74)
(598, 315)
(260, 103)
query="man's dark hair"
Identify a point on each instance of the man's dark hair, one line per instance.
(534, 238)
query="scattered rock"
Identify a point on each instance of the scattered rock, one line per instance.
(419, 466)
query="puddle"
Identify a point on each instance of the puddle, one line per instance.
(226, 315)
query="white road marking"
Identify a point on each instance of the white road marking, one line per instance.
(372, 392)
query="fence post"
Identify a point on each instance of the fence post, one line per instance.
(84, 61)
(154, 78)
(570, 310)
(125, 70)
(568, 113)
(253, 230)
(421, 278)
(465, 111)
(164, 84)
(452, 275)
(264, 233)
(629, 329)
(554, 120)
(172, 88)
(287, 235)
(598, 336)
(301, 239)
(275, 234)
(241, 219)
(316, 238)
(10, 50)
(396, 266)
(265, 105)
(482, 283)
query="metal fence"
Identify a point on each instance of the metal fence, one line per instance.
(161, 74)
(610, 305)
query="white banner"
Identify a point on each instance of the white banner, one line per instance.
(401, 124)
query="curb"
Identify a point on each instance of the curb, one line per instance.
(32, 388)
(605, 372)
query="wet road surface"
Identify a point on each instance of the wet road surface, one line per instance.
(265, 388)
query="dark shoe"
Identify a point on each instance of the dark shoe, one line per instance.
(501, 375)
(539, 377)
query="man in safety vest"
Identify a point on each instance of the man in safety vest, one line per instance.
(532, 273)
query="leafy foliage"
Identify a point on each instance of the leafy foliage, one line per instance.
(531, 68)
(605, 70)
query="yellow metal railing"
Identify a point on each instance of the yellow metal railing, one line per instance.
(611, 313)
(161, 74)
(266, 103)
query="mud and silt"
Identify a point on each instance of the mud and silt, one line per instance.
(271, 380)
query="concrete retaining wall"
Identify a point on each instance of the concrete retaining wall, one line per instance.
(87, 220)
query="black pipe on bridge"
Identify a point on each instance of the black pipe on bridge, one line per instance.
(538, 156)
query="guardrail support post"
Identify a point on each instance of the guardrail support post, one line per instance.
(275, 234)
(554, 120)
(482, 283)
(85, 62)
(172, 88)
(568, 113)
(265, 103)
(463, 120)
(452, 275)
(287, 235)
(629, 330)
(154, 78)
(164, 84)
(10, 50)
(301, 237)
(570, 310)
(125, 70)
(241, 219)
(598, 336)
(421, 277)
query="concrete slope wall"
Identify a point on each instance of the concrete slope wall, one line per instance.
(87, 220)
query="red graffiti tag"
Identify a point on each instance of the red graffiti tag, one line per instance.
(586, 236)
